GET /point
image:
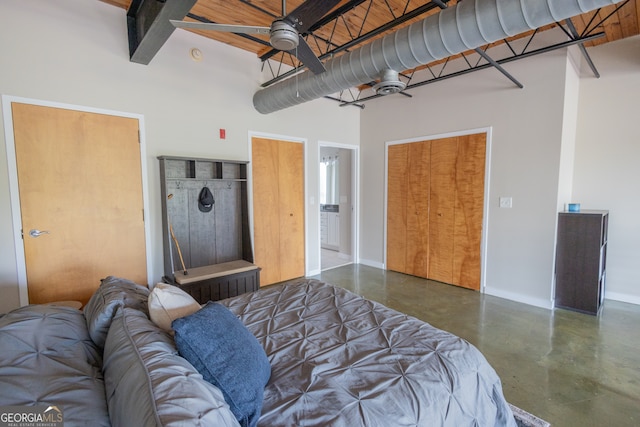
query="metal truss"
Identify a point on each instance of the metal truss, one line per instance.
(428, 74)
(478, 59)
(475, 60)
(327, 47)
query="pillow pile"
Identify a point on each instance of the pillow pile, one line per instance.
(167, 303)
(113, 292)
(148, 384)
(227, 355)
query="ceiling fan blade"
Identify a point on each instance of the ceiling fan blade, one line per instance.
(244, 29)
(309, 12)
(304, 53)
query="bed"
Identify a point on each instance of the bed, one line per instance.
(338, 359)
(332, 358)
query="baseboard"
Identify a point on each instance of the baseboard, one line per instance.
(616, 296)
(536, 302)
(371, 263)
(313, 272)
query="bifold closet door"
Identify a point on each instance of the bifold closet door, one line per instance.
(397, 191)
(408, 208)
(442, 196)
(435, 201)
(278, 209)
(469, 209)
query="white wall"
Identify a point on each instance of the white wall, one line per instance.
(568, 147)
(566, 136)
(607, 168)
(527, 132)
(76, 52)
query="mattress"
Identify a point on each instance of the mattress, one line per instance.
(338, 359)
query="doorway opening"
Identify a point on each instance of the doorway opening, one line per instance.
(337, 202)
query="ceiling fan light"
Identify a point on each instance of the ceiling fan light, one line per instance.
(283, 36)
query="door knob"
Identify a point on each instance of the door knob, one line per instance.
(37, 233)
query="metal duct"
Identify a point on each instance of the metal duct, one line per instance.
(467, 25)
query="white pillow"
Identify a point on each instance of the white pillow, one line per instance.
(167, 303)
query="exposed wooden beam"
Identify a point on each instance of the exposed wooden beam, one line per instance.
(149, 27)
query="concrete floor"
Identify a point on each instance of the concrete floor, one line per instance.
(333, 259)
(568, 368)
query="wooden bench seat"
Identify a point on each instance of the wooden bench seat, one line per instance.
(212, 271)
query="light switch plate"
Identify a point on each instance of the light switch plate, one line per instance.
(506, 202)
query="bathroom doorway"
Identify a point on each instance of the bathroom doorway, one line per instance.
(337, 179)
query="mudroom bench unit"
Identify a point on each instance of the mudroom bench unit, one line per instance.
(206, 239)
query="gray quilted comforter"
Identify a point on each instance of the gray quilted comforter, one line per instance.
(341, 360)
(47, 358)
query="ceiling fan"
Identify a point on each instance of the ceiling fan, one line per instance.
(285, 33)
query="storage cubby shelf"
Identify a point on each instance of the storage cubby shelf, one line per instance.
(581, 260)
(203, 169)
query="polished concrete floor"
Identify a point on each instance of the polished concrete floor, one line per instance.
(568, 368)
(333, 259)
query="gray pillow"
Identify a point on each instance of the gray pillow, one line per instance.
(148, 384)
(113, 292)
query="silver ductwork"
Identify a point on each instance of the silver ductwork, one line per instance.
(467, 25)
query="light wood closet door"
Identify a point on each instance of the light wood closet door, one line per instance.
(397, 192)
(442, 209)
(435, 200)
(80, 180)
(278, 209)
(469, 207)
(408, 208)
(418, 225)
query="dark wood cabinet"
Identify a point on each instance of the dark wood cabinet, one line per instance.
(213, 245)
(581, 258)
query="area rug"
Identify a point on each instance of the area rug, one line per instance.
(525, 419)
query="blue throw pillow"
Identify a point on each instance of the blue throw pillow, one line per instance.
(227, 355)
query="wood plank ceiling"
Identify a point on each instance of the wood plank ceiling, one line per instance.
(356, 22)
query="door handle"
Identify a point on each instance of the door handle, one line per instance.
(37, 233)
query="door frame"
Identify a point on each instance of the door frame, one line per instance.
(487, 173)
(16, 214)
(355, 199)
(305, 164)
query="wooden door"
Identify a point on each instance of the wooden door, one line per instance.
(435, 204)
(442, 208)
(408, 208)
(278, 209)
(80, 181)
(418, 202)
(291, 200)
(469, 207)
(397, 191)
